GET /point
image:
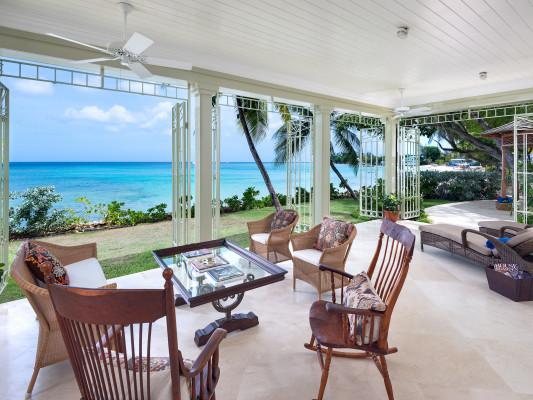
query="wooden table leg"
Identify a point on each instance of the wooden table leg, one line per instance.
(235, 322)
(179, 301)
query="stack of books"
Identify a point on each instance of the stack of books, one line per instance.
(218, 269)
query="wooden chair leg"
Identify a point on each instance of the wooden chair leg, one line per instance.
(293, 278)
(386, 377)
(325, 374)
(32, 381)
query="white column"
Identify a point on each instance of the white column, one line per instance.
(321, 159)
(391, 131)
(203, 162)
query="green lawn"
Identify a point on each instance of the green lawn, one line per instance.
(128, 250)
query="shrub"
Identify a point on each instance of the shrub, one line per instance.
(248, 198)
(459, 185)
(36, 215)
(233, 203)
(302, 194)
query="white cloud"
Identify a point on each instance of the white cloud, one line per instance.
(34, 87)
(116, 114)
(119, 115)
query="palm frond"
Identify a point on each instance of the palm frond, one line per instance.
(256, 116)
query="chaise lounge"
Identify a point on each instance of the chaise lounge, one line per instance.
(501, 228)
(472, 245)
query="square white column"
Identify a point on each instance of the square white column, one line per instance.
(321, 160)
(391, 132)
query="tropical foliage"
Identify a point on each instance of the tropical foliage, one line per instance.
(459, 185)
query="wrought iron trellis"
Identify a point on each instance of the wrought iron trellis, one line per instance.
(53, 74)
(523, 168)
(409, 171)
(371, 171)
(4, 184)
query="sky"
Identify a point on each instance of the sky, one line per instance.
(54, 122)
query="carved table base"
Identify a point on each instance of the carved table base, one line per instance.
(236, 322)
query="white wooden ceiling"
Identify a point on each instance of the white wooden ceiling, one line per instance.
(343, 48)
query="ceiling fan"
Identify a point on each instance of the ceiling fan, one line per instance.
(404, 111)
(129, 52)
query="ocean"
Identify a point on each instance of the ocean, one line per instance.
(139, 185)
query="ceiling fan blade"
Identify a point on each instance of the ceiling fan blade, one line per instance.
(163, 62)
(138, 43)
(140, 70)
(94, 60)
(80, 43)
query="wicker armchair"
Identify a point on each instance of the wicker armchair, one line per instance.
(502, 228)
(50, 346)
(271, 244)
(306, 259)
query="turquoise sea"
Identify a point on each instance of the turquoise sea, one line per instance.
(139, 184)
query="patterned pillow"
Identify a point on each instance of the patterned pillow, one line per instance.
(360, 294)
(282, 219)
(40, 260)
(333, 233)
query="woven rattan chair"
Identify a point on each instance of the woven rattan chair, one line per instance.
(306, 259)
(50, 346)
(329, 321)
(271, 244)
(502, 228)
(126, 319)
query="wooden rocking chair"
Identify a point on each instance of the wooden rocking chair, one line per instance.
(108, 335)
(330, 321)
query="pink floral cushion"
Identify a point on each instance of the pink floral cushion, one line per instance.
(283, 219)
(333, 233)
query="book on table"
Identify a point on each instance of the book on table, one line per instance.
(224, 273)
(197, 253)
(202, 264)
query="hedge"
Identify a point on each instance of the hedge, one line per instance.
(459, 185)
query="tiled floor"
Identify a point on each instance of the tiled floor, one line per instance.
(456, 340)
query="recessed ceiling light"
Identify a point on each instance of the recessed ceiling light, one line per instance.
(402, 32)
(483, 75)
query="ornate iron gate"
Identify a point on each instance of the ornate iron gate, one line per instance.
(4, 184)
(182, 207)
(300, 170)
(371, 171)
(409, 171)
(523, 168)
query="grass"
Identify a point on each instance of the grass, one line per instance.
(126, 251)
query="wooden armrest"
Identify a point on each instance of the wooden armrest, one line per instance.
(323, 267)
(210, 349)
(337, 308)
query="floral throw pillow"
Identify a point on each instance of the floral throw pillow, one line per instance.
(282, 219)
(360, 294)
(40, 260)
(333, 233)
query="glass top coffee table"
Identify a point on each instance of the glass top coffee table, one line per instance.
(217, 272)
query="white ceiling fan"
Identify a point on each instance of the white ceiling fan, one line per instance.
(129, 52)
(405, 111)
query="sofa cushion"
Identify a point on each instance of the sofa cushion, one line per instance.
(453, 232)
(310, 256)
(260, 237)
(360, 294)
(282, 219)
(40, 260)
(86, 273)
(522, 242)
(333, 233)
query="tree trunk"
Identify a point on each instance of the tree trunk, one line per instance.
(463, 134)
(344, 182)
(256, 157)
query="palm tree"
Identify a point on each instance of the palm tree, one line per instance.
(254, 124)
(344, 135)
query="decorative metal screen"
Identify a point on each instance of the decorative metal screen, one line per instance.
(371, 171)
(409, 171)
(300, 170)
(523, 168)
(182, 206)
(4, 184)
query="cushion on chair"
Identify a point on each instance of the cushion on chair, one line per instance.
(86, 273)
(522, 242)
(282, 219)
(360, 294)
(39, 260)
(453, 232)
(333, 233)
(260, 237)
(499, 224)
(310, 256)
